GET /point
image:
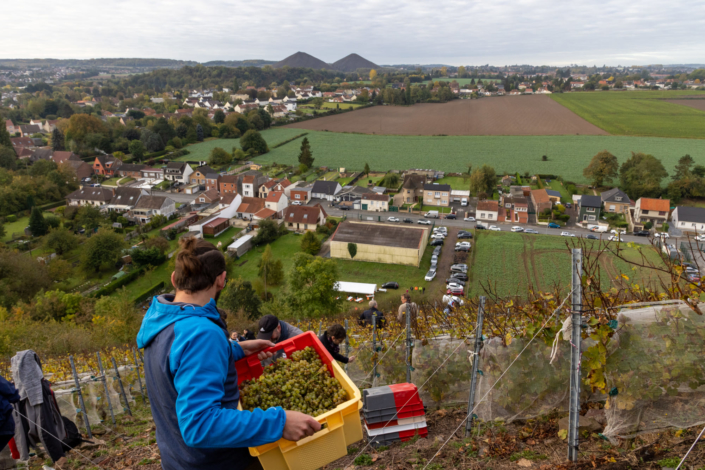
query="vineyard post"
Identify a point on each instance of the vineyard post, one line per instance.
(475, 365)
(122, 389)
(576, 311)
(320, 327)
(408, 342)
(80, 398)
(139, 379)
(104, 378)
(347, 344)
(374, 349)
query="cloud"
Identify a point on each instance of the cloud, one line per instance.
(455, 32)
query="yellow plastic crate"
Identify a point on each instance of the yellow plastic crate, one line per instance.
(342, 428)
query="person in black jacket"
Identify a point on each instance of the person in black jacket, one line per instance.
(8, 395)
(366, 316)
(331, 339)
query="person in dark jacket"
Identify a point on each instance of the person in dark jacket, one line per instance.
(248, 335)
(274, 330)
(192, 379)
(366, 316)
(8, 396)
(331, 340)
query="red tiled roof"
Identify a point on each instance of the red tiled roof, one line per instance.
(274, 196)
(215, 222)
(249, 179)
(231, 179)
(285, 183)
(492, 206)
(540, 196)
(375, 197)
(660, 205)
(264, 213)
(228, 198)
(303, 214)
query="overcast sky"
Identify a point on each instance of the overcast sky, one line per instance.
(498, 32)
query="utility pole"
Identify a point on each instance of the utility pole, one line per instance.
(475, 365)
(576, 311)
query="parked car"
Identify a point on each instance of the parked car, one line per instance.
(618, 231)
(344, 208)
(592, 237)
(430, 276)
(553, 225)
(390, 285)
(462, 235)
(450, 216)
(662, 235)
(438, 236)
(494, 228)
(456, 300)
(392, 219)
(567, 234)
(437, 251)
(516, 228)
(469, 219)
(459, 268)
(455, 280)
(454, 285)
(437, 242)
(441, 229)
(408, 221)
(480, 227)
(568, 205)
(643, 233)
(692, 277)
(296, 203)
(459, 275)
(424, 222)
(462, 244)
(615, 238)
(700, 238)
(434, 259)
(530, 230)
(462, 248)
(456, 290)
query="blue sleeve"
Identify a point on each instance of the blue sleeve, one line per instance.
(199, 361)
(8, 391)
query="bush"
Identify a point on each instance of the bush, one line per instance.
(149, 293)
(11, 218)
(113, 286)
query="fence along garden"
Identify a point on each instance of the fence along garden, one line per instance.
(642, 359)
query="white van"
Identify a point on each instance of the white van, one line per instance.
(597, 228)
(431, 215)
(464, 202)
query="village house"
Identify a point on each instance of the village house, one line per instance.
(81, 169)
(651, 210)
(689, 219)
(131, 170)
(301, 195)
(228, 184)
(106, 165)
(375, 202)
(301, 218)
(199, 175)
(50, 125)
(615, 201)
(178, 172)
(266, 188)
(149, 206)
(208, 197)
(276, 201)
(436, 195)
(152, 173)
(589, 208)
(325, 190)
(487, 211)
(540, 200)
(249, 207)
(516, 207)
(125, 199)
(10, 126)
(61, 156)
(27, 131)
(89, 197)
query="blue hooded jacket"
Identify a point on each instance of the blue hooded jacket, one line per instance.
(193, 392)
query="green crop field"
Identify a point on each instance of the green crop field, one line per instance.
(513, 263)
(567, 155)
(637, 113)
(273, 136)
(463, 81)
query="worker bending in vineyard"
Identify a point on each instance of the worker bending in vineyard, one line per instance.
(191, 375)
(274, 330)
(331, 340)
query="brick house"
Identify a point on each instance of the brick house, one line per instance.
(228, 184)
(199, 175)
(651, 210)
(131, 170)
(436, 195)
(208, 197)
(615, 200)
(80, 168)
(540, 200)
(302, 195)
(106, 165)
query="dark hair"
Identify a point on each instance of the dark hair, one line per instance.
(336, 331)
(407, 297)
(198, 264)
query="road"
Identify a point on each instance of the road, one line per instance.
(460, 223)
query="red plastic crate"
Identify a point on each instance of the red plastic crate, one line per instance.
(405, 394)
(250, 367)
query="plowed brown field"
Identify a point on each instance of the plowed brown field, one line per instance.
(502, 115)
(692, 103)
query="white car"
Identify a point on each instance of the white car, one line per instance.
(615, 238)
(425, 222)
(463, 244)
(438, 236)
(620, 232)
(662, 235)
(392, 219)
(567, 234)
(296, 203)
(700, 238)
(469, 219)
(440, 229)
(531, 230)
(430, 276)
(517, 229)
(453, 285)
(494, 228)
(456, 300)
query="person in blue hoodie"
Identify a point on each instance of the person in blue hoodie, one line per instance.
(191, 377)
(8, 396)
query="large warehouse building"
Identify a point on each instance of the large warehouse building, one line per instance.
(391, 244)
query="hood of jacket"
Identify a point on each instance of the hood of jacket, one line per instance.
(164, 312)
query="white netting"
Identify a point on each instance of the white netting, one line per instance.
(446, 383)
(656, 371)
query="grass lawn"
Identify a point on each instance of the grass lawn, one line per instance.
(557, 186)
(226, 238)
(202, 150)
(126, 180)
(513, 263)
(456, 182)
(344, 181)
(638, 113)
(567, 155)
(15, 227)
(366, 179)
(331, 175)
(462, 81)
(442, 210)
(111, 181)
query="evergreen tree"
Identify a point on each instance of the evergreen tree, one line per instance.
(37, 224)
(5, 137)
(57, 140)
(367, 169)
(306, 156)
(199, 133)
(253, 140)
(270, 270)
(310, 243)
(8, 158)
